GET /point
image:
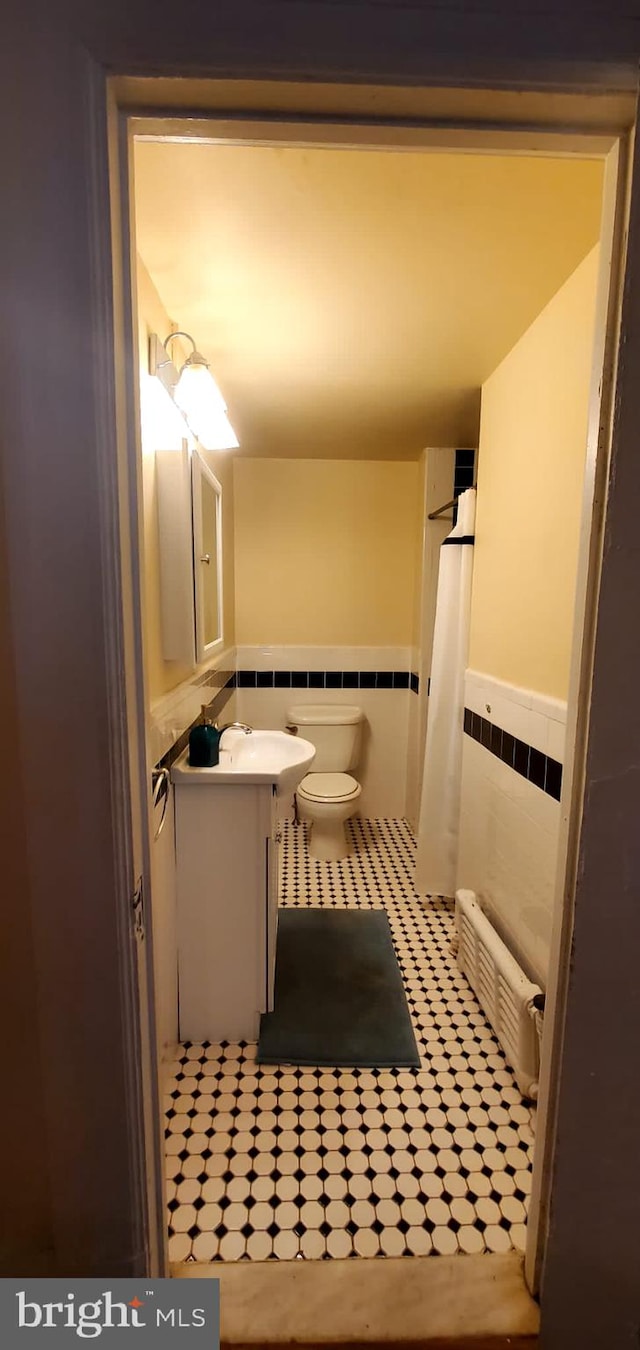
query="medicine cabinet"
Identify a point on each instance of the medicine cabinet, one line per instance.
(190, 549)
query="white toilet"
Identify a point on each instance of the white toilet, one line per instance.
(329, 795)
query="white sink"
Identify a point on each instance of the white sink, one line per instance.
(260, 757)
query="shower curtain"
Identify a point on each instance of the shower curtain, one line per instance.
(440, 803)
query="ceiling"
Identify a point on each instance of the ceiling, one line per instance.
(352, 303)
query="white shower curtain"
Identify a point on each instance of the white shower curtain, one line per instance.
(437, 852)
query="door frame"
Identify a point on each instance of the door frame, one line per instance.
(123, 543)
(594, 500)
(501, 133)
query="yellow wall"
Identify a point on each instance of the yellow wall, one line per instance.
(162, 676)
(325, 551)
(533, 432)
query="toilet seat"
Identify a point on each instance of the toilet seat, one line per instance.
(328, 787)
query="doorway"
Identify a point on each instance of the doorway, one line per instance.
(498, 1223)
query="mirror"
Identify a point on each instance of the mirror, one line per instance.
(207, 557)
(190, 549)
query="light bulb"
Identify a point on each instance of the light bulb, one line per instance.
(163, 426)
(197, 394)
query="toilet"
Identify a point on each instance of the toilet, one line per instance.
(329, 795)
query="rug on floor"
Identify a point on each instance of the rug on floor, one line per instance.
(339, 997)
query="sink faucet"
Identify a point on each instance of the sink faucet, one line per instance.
(235, 726)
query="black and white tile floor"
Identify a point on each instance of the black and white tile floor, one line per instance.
(267, 1162)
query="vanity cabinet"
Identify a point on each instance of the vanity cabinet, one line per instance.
(227, 906)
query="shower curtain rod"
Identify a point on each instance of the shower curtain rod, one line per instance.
(433, 515)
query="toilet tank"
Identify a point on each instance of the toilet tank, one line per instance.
(334, 729)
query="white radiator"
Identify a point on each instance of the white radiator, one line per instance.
(502, 988)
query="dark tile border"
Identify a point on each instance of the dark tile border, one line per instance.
(544, 772)
(327, 679)
(215, 679)
(464, 471)
(214, 708)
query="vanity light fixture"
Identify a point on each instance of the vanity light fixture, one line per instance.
(195, 392)
(162, 424)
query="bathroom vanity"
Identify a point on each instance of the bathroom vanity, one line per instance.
(227, 839)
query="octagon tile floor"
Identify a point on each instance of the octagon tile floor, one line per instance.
(265, 1162)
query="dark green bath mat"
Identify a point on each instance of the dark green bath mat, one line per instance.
(339, 997)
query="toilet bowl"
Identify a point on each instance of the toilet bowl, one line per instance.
(328, 795)
(326, 804)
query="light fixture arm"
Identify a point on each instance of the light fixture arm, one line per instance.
(195, 358)
(195, 392)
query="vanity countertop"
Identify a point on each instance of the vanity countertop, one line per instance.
(259, 757)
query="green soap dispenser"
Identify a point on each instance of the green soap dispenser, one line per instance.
(204, 744)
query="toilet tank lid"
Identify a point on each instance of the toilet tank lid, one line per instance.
(324, 714)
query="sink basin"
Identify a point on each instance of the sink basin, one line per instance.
(262, 757)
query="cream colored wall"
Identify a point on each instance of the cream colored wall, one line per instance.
(162, 676)
(530, 469)
(325, 551)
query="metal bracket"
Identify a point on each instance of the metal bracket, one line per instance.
(160, 364)
(161, 783)
(137, 910)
